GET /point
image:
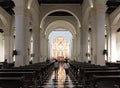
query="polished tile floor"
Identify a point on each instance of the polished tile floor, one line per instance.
(61, 80)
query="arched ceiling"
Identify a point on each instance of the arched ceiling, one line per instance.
(112, 5)
(8, 5)
(60, 1)
(60, 13)
(60, 24)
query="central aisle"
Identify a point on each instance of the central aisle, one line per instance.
(61, 80)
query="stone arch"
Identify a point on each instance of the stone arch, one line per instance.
(115, 16)
(66, 9)
(114, 34)
(33, 18)
(5, 18)
(88, 4)
(116, 19)
(60, 24)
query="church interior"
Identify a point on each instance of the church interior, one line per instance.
(59, 43)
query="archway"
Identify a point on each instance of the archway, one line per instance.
(61, 26)
(52, 22)
(2, 41)
(60, 44)
(53, 9)
(117, 46)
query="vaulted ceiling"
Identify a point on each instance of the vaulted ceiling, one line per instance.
(112, 5)
(60, 1)
(8, 5)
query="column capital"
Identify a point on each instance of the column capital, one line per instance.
(100, 5)
(20, 2)
(19, 10)
(20, 6)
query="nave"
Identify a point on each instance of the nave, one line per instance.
(61, 80)
(42, 75)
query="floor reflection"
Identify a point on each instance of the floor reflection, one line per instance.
(60, 80)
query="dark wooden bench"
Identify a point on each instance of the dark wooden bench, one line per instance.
(29, 77)
(90, 75)
(113, 64)
(38, 73)
(41, 72)
(87, 76)
(89, 69)
(110, 81)
(77, 66)
(12, 82)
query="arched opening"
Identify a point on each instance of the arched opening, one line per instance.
(106, 44)
(2, 41)
(118, 44)
(59, 11)
(30, 49)
(60, 44)
(4, 24)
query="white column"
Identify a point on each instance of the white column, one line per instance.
(41, 45)
(93, 39)
(35, 44)
(46, 47)
(20, 34)
(109, 43)
(1, 48)
(40, 56)
(74, 48)
(84, 43)
(100, 31)
(113, 45)
(78, 45)
(27, 42)
(7, 47)
(100, 26)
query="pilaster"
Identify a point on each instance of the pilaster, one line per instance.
(84, 43)
(113, 44)
(7, 46)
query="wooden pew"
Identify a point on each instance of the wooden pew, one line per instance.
(29, 77)
(42, 71)
(88, 75)
(85, 73)
(109, 81)
(12, 82)
(113, 64)
(39, 75)
(82, 70)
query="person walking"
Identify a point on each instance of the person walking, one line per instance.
(56, 67)
(66, 67)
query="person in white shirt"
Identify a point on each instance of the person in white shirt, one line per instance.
(66, 67)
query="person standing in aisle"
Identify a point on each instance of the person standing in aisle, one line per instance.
(66, 67)
(56, 67)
